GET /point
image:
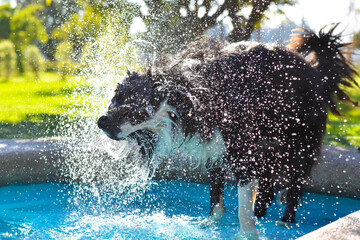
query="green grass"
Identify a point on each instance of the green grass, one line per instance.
(345, 130)
(23, 99)
(33, 108)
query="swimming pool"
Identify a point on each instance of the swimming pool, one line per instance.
(165, 210)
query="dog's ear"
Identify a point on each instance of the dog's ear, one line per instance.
(152, 79)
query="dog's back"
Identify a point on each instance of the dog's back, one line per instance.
(263, 98)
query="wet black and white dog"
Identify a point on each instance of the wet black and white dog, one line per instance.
(260, 109)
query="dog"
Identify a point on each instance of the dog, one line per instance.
(256, 110)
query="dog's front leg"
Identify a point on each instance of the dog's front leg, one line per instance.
(246, 213)
(217, 208)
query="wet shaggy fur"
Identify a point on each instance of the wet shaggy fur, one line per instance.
(265, 104)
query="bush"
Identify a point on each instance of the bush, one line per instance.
(7, 59)
(64, 59)
(32, 60)
(50, 66)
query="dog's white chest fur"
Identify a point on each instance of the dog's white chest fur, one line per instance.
(192, 148)
(172, 141)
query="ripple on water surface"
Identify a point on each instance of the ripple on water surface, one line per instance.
(164, 210)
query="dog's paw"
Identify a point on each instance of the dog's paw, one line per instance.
(287, 225)
(207, 223)
(217, 213)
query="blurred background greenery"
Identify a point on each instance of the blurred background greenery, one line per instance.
(42, 43)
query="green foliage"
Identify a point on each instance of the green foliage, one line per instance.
(80, 29)
(90, 23)
(32, 60)
(7, 59)
(356, 40)
(345, 130)
(5, 14)
(26, 28)
(65, 63)
(50, 66)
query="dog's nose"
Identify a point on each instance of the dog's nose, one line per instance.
(101, 122)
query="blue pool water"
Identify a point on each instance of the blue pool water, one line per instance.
(167, 210)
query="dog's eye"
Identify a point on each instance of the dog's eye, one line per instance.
(173, 116)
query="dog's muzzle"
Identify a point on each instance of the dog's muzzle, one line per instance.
(112, 131)
(102, 122)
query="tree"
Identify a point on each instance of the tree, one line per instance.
(33, 61)
(7, 59)
(54, 14)
(26, 28)
(81, 28)
(174, 23)
(170, 24)
(92, 17)
(25, 3)
(64, 60)
(5, 14)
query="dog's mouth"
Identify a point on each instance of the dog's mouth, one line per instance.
(139, 135)
(146, 140)
(142, 136)
(113, 136)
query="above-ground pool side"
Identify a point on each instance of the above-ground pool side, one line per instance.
(25, 161)
(337, 171)
(347, 228)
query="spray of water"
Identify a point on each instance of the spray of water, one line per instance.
(108, 170)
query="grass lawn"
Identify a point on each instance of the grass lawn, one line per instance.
(345, 130)
(32, 108)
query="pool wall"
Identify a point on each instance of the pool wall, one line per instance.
(347, 227)
(24, 161)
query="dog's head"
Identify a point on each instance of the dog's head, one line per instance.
(140, 106)
(129, 107)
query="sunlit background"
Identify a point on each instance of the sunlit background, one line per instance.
(59, 64)
(60, 51)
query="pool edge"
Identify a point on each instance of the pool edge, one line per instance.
(336, 172)
(347, 227)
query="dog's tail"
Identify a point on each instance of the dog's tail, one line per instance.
(328, 58)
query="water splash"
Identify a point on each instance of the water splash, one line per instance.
(108, 170)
